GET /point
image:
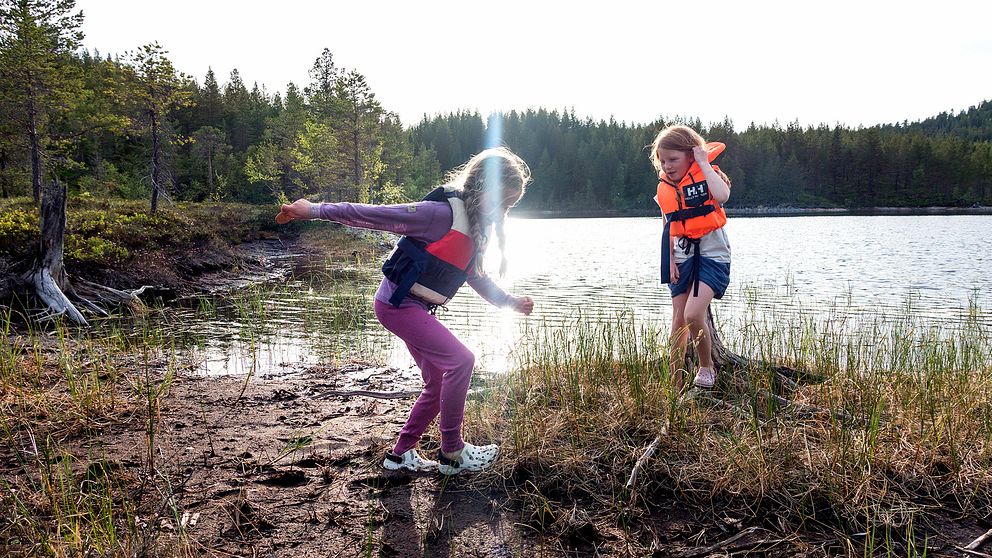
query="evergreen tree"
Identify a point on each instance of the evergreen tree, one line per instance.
(37, 38)
(316, 161)
(10, 151)
(159, 89)
(321, 93)
(210, 103)
(237, 107)
(210, 143)
(88, 134)
(359, 118)
(271, 163)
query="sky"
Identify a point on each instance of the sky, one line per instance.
(840, 62)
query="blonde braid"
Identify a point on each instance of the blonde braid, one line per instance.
(477, 222)
(512, 175)
(501, 237)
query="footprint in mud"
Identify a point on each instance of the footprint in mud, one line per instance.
(382, 482)
(285, 479)
(283, 395)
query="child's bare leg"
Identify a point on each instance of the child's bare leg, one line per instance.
(695, 317)
(678, 340)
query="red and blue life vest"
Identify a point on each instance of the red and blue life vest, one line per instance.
(433, 272)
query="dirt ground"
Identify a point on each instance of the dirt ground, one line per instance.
(290, 466)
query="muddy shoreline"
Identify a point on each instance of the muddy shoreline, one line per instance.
(289, 465)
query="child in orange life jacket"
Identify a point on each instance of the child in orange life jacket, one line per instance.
(444, 239)
(695, 250)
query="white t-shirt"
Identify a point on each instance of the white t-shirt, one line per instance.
(713, 245)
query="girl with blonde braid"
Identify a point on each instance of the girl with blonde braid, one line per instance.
(445, 237)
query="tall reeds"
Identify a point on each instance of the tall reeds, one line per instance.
(910, 434)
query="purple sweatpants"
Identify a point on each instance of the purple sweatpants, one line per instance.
(446, 365)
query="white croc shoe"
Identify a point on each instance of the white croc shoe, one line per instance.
(409, 460)
(471, 459)
(705, 378)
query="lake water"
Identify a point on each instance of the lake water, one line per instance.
(931, 267)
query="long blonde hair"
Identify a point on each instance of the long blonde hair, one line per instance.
(492, 180)
(678, 138)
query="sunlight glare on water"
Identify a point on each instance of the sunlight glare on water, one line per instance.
(851, 265)
(842, 266)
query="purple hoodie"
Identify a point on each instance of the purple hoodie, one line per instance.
(426, 221)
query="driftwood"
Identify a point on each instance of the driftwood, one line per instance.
(48, 277)
(735, 379)
(979, 541)
(645, 456)
(706, 551)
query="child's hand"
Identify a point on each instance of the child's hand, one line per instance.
(523, 304)
(675, 271)
(300, 209)
(702, 159)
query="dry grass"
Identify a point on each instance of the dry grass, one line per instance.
(585, 403)
(59, 494)
(573, 419)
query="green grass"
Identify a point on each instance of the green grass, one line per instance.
(573, 417)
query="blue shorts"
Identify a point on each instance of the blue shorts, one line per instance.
(716, 275)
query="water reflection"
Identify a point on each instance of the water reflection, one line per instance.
(865, 262)
(830, 269)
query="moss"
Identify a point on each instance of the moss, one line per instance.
(110, 232)
(18, 231)
(94, 250)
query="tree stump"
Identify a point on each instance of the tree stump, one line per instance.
(738, 374)
(47, 275)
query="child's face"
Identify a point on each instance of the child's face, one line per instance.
(674, 163)
(493, 207)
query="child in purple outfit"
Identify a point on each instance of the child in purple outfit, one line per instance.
(444, 239)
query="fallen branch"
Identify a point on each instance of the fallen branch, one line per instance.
(979, 541)
(973, 552)
(714, 547)
(645, 456)
(365, 393)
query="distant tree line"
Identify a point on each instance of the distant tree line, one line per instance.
(133, 126)
(584, 164)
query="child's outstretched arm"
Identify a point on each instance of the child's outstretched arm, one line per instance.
(427, 221)
(496, 296)
(719, 188)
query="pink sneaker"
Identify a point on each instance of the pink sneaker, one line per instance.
(705, 377)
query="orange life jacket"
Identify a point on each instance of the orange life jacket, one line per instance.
(688, 207)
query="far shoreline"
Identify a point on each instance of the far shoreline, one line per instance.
(754, 212)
